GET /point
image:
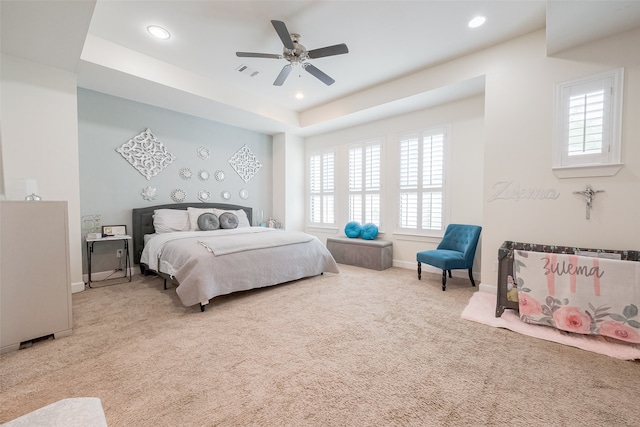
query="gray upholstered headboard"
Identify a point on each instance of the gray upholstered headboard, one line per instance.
(142, 220)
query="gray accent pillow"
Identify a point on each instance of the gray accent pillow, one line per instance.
(228, 220)
(208, 221)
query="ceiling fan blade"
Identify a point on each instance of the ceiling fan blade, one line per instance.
(314, 71)
(258, 55)
(283, 75)
(337, 49)
(283, 33)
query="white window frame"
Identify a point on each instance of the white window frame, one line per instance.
(366, 189)
(608, 161)
(325, 193)
(419, 188)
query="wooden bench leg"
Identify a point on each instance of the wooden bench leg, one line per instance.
(419, 270)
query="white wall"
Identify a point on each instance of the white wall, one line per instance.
(467, 146)
(40, 140)
(518, 137)
(288, 192)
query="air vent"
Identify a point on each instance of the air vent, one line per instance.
(247, 71)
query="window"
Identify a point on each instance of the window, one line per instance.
(588, 124)
(322, 188)
(421, 201)
(364, 183)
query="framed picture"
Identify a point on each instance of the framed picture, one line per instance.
(114, 230)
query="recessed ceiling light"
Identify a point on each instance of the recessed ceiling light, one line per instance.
(477, 21)
(299, 95)
(158, 32)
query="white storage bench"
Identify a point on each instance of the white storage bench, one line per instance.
(373, 254)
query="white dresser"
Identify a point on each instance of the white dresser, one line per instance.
(35, 288)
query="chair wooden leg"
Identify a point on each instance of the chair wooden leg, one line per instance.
(471, 277)
(444, 280)
(419, 270)
(449, 273)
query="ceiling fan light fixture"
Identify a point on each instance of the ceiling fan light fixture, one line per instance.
(477, 21)
(159, 32)
(296, 55)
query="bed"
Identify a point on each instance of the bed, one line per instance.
(206, 264)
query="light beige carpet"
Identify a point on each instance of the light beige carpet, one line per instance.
(361, 348)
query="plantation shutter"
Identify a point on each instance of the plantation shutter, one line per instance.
(432, 181)
(321, 188)
(364, 183)
(421, 204)
(409, 176)
(586, 128)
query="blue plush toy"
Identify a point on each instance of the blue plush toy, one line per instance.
(369, 231)
(353, 229)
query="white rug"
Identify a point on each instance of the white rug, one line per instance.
(482, 308)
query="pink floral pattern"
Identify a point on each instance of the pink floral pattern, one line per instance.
(581, 316)
(528, 305)
(572, 319)
(619, 330)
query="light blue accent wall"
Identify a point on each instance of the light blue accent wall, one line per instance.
(111, 187)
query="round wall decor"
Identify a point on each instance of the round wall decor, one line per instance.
(203, 153)
(185, 173)
(149, 193)
(204, 196)
(178, 195)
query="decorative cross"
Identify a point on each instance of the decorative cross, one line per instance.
(588, 194)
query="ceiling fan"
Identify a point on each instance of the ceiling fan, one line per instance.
(297, 54)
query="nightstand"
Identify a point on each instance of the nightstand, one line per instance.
(127, 260)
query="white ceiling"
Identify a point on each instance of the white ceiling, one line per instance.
(195, 71)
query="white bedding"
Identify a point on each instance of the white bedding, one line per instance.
(228, 244)
(254, 261)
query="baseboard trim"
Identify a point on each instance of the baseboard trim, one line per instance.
(426, 268)
(490, 288)
(103, 275)
(404, 264)
(77, 287)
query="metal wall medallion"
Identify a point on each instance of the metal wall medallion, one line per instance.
(225, 195)
(219, 175)
(203, 153)
(203, 175)
(204, 196)
(244, 162)
(185, 173)
(178, 195)
(149, 193)
(146, 154)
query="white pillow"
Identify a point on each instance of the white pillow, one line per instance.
(194, 213)
(169, 220)
(243, 220)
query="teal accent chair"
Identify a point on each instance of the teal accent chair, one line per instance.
(455, 252)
